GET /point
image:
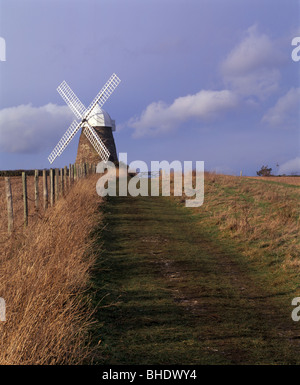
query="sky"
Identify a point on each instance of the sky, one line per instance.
(201, 80)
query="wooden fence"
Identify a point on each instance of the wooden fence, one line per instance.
(61, 180)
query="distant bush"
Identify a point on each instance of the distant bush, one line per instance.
(264, 171)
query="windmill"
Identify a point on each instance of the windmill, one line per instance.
(94, 122)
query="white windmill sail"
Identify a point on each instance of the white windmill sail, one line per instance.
(65, 140)
(83, 114)
(97, 143)
(71, 99)
(104, 94)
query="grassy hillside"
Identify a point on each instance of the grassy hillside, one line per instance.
(259, 216)
(211, 285)
(156, 282)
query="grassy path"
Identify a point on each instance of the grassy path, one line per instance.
(170, 295)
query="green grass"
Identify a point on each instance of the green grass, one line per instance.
(167, 291)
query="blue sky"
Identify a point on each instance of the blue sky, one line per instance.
(207, 80)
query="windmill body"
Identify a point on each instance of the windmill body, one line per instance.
(104, 127)
(96, 141)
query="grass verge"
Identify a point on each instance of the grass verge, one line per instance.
(44, 277)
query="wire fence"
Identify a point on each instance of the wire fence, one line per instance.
(29, 194)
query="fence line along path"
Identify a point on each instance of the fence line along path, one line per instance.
(55, 184)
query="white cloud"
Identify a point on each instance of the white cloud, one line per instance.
(159, 117)
(285, 113)
(251, 67)
(250, 72)
(28, 129)
(292, 167)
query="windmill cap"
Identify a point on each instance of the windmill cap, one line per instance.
(100, 118)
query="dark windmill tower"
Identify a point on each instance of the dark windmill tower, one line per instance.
(104, 127)
(96, 141)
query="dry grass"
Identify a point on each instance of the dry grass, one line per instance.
(281, 179)
(44, 271)
(259, 214)
(262, 217)
(17, 194)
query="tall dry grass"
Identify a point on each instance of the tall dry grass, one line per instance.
(18, 208)
(44, 272)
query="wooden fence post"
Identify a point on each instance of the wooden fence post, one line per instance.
(65, 177)
(10, 211)
(70, 175)
(51, 187)
(75, 171)
(45, 189)
(36, 189)
(56, 184)
(25, 198)
(61, 174)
